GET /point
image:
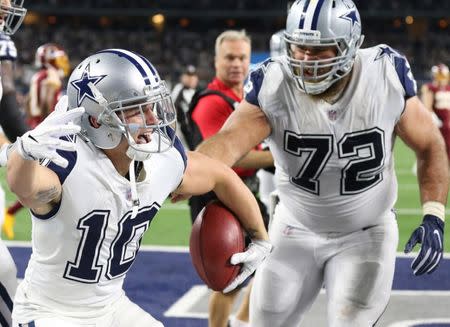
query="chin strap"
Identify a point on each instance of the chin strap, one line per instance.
(134, 195)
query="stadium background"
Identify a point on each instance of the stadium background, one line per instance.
(174, 33)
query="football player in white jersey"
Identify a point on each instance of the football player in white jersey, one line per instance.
(109, 158)
(11, 16)
(331, 112)
(266, 176)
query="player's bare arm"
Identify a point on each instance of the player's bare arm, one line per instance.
(256, 159)
(204, 174)
(37, 187)
(417, 130)
(245, 128)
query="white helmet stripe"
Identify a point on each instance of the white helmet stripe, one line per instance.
(312, 13)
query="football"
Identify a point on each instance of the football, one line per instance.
(216, 235)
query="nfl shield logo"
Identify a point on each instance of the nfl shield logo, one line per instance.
(332, 114)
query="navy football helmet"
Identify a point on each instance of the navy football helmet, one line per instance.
(323, 23)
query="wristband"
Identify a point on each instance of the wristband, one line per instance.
(434, 208)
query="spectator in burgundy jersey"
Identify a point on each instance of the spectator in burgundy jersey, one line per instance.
(436, 97)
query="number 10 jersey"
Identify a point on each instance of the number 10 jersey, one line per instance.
(84, 248)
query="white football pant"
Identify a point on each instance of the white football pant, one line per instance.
(355, 268)
(123, 313)
(266, 186)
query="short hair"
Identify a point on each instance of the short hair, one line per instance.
(231, 35)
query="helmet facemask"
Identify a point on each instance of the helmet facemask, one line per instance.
(329, 24)
(13, 16)
(316, 76)
(130, 116)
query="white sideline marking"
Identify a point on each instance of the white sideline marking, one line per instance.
(175, 206)
(183, 307)
(184, 249)
(409, 323)
(148, 248)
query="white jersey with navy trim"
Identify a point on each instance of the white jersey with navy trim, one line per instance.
(83, 250)
(8, 49)
(334, 163)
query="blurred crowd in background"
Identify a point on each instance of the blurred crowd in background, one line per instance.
(176, 33)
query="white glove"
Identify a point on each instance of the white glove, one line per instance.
(256, 253)
(43, 141)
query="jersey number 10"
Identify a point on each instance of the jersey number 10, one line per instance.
(86, 267)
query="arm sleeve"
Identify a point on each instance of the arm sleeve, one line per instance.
(12, 119)
(210, 114)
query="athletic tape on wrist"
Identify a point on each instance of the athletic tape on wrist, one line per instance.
(434, 208)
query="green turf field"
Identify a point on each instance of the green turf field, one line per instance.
(172, 224)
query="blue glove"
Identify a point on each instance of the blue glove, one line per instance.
(431, 235)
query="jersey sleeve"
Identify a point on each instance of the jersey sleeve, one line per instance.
(8, 49)
(62, 173)
(178, 145)
(406, 77)
(402, 69)
(254, 83)
(70, 156)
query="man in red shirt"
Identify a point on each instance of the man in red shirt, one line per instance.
(436, 97)
(232, 61)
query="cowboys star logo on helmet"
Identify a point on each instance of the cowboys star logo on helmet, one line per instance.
(320, 24)
(351, 16)
(114, 84)
(82, 85)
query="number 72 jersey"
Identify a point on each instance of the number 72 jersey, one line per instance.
(335, 169)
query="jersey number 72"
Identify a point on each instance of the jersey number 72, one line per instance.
(360, 173)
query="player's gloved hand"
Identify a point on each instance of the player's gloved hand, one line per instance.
(43, 141)
(431, 235)
(256, 253)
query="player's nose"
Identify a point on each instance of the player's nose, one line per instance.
(150, 118)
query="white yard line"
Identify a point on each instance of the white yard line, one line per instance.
(185, 306)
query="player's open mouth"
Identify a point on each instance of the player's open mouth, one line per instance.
(144, 138)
